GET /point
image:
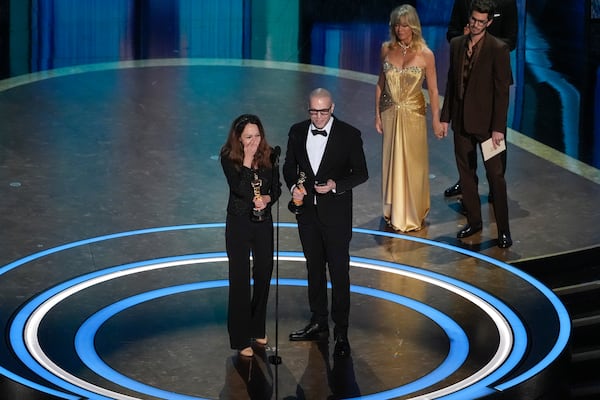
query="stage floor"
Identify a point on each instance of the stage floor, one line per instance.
(113, 272)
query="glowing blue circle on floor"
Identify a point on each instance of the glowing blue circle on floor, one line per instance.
(35, 311)
(18, 326)
(84, 341)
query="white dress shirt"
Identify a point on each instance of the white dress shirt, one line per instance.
(315, 145)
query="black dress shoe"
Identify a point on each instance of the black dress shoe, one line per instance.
(453, 190)
(310, 332)
(504, 240)
(468, 230)
(342, 347)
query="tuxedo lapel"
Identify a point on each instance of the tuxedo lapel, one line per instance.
(302, 136)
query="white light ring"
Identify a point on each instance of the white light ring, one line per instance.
(32, 325)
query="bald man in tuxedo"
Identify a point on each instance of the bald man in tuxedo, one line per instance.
(329, 154)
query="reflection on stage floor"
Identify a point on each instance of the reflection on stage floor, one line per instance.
(113, 276)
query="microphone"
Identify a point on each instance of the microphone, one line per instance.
(275, 153)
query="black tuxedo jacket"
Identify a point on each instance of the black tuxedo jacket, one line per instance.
(343, 161)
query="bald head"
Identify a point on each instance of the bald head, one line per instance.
(320, 107)
(320, 93)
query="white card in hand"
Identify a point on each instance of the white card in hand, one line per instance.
(487, 148)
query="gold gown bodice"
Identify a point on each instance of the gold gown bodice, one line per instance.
(403, 88)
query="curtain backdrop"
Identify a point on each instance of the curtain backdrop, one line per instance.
(73, 32)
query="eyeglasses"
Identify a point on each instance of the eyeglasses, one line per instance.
(321, 112)
(476, 21)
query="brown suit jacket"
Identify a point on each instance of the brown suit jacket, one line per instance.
(487, 94)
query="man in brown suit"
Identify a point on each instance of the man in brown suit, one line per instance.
(505, 27)
(476, 102)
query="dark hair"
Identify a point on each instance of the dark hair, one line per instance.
(484, 6)
(233, 148)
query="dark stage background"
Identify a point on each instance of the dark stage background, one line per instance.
(556, 92)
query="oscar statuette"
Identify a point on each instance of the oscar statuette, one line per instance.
(297, 206)
(257, 215)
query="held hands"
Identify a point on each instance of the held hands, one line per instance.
(440, 129)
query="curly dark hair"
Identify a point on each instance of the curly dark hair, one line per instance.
(484, 6)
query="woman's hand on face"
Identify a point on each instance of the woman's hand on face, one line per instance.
(251, 146)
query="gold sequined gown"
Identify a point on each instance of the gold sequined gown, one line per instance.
(405, 168)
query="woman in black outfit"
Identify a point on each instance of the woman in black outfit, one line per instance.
(252, 173)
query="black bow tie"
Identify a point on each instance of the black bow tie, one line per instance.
(316, 132)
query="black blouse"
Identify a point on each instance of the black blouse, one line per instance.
(241, 192)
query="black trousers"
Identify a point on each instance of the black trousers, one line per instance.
(327, 247)
(247, 306)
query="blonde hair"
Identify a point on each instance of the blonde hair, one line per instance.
(407, 14)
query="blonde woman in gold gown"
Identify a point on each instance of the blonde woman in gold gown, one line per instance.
(400, 110)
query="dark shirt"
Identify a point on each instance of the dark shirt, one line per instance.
(469, 61)
(241, 191)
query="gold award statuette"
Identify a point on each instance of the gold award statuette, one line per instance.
(257, 215)
(297, 206)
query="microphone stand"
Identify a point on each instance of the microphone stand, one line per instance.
(275, 359)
